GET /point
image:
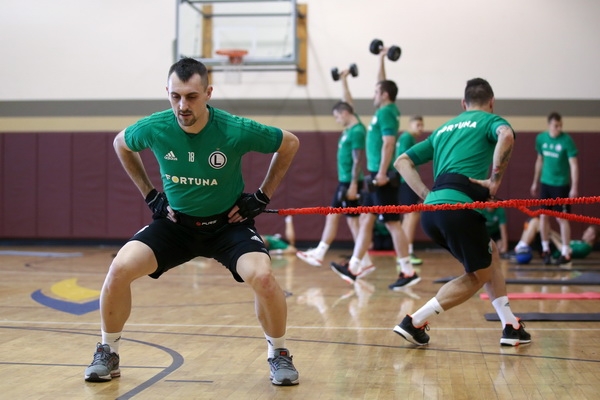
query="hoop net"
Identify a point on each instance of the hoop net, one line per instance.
(233, 66)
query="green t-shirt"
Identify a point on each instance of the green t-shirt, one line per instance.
(464, 145)
(275, 242)
(385, 122)
(202, 173)
(555, 152)
(405, 141)
(493, 219)
(580, 249)
(352, 138)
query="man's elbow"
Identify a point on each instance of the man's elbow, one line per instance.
(403, 162)
(290, 144)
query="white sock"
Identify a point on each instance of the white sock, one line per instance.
(366, 261)
(503, 310)
(432, 307)
(545, 245)
(354, 265)
(521, 245)
(321, 250)
(566, 250)
(274, 343)
(113, 340)
(406, 266)
(410, 248)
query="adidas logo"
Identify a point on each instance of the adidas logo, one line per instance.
(170, 156)
(256, 238)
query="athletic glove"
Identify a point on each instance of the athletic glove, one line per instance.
(252, 204)
(158, 203)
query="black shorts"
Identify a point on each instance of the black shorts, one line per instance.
(463, 233)
(495, 236)
(407, 196)
(339, 199)
(552, 192)
(386, 195)
(174, 244)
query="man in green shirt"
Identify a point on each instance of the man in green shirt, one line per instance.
(202, 211)
(350, 160)
(383, 187)
(579, 248)
(557, 170)
(462, 150)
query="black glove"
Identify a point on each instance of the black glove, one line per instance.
(157, 201)
(252, 204)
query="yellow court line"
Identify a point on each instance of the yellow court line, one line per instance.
(70, 290)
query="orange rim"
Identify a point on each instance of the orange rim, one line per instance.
(235, 55)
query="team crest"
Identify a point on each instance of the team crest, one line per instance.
(217, 159)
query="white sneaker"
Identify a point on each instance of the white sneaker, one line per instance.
(308, 257)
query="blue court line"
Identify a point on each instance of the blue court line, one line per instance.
(66, 306)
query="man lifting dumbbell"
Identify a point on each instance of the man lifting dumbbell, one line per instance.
(352, 69)
(383, 181)
(393, 52)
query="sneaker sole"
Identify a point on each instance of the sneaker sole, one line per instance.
(513, 342)
(344, 277)
(94, 377)
(310, 261)
(409, 284)
(285, 382)
(407, 335)
(416, 262)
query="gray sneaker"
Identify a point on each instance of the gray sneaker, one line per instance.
(105, 365)
(283, 372)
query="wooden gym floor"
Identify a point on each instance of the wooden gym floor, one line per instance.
(193, 334)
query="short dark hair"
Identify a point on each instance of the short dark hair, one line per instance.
(478, 91)
(342, 106)
(390, 88)
(416, 118)
(188, 67)
(554, 116)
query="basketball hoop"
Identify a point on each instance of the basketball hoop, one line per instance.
(233, 68)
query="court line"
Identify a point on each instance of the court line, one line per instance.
(351, 328)
(176, 359)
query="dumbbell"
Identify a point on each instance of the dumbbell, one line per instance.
(335, 73)
(393, 53)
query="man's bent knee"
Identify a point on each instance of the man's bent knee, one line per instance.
(134, 260)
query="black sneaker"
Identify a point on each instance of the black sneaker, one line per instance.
(283, 372)
(414, 335)
(105, 365)
(344, 272)
(404, 281)
(514, 337)
(546, 258)
(564, 262)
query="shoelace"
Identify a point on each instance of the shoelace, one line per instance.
(521, 325)
(100, 356)
(283, 362)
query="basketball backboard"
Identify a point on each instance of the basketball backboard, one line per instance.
(266, 29)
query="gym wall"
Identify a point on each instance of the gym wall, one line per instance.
(79, 72)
